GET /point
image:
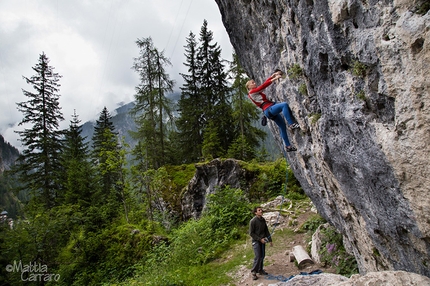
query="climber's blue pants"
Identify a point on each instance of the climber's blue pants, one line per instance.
(273, 113)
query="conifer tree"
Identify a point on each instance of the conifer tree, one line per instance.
(107, 160)
(153, 108)
(214, 88)
(190, 122)
(78, 171)
(205, 98)
(223, 112)
(247, 136)
(39, 163)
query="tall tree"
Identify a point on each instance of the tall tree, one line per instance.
(78, 172)
(107, 159)
(214, 88)
(247, 136)
(205, 99)
(39, 162)
(152, 111)
(190, 122)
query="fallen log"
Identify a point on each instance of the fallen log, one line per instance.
(299, 253)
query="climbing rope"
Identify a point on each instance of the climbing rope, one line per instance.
(285, 279)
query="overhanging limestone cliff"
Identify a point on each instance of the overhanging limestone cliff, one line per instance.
(362, 101)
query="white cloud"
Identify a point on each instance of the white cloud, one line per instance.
(92, 45)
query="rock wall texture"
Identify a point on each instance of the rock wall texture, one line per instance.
(362, 101)
(384, 278)
(207, 178)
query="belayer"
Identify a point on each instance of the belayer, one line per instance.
(272, 109)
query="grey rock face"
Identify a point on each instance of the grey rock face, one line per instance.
(362, 101)
(383, 278)
(207, 178)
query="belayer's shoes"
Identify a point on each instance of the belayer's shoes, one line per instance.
(290, 149)
(262, 272)
(254, 276)
(294, 126)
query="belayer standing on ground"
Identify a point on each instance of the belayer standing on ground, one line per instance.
(272, 109)
(260, 235)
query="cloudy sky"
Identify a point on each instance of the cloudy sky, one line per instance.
(91, 43)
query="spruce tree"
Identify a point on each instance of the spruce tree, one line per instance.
(78, 172)
(153, 109)
(247, 136)
(214, 89)
(107, 161)
(190, 122)
(39, 163)
(205, 99)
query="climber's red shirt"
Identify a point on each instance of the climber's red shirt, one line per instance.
(258, 97)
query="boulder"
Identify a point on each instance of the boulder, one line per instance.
(359, 88)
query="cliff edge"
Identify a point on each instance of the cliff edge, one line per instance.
(359, 88)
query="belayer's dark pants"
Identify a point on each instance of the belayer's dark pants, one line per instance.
(260, 253)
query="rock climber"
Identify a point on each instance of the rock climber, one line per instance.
(260, 235)
(272, 109)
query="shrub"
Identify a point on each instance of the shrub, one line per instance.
(295, 71)
(359, 69)
(312, 223)
(303, 89)
(333, 253)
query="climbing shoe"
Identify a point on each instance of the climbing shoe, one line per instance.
(262, 272)
(254, 276)
(294, 126)
(290, 149)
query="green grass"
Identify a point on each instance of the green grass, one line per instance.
(213, 273)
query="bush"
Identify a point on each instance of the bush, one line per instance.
(333, 253)
(359, 69)
(312, 223)
(197, 242)
(295, 71)
(303, 89)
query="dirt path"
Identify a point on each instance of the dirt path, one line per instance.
(277, 262)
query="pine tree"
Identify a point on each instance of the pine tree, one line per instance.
(205, 98)
(248, 136)
(153, 108)
(211, 147)
(107, 160)
(205, 68)
(214, 88)
(79, 174)
(39, 163)
(190, 122)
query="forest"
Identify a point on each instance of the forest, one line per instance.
(89, 215)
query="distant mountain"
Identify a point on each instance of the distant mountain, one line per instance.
(122, 121)
(8, 155)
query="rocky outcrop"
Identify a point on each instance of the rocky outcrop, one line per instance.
(384, 278)
(8, 155)
(359, 88)
(208, 177)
